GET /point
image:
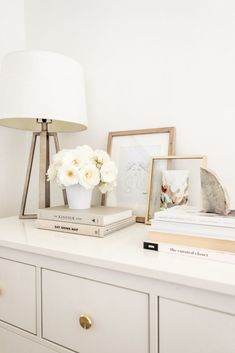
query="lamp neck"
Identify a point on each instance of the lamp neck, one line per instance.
(44, 124)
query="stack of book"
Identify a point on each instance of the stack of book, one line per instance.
(95, 221)
(186, 231)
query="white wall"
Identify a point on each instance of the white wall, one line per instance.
(150, 63)
(13, 144)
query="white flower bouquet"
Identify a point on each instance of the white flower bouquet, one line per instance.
(83, 166)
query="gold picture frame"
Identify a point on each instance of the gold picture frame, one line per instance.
(153, 195)
(141, 145)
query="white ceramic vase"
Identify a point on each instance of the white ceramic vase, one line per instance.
(78, 197)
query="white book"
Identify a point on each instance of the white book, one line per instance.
(193, 229)
(99, 216)
(83, 229)
(190, 251)
(189, 214)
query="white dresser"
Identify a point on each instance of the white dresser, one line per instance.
(68, 293)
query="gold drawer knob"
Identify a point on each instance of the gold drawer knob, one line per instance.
(85, 322)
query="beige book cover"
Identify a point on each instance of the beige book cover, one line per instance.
(194, 241)
(100, 216)
(83, 229)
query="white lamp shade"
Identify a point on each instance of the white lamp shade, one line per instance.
(44, 85)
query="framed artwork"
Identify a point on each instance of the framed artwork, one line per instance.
(174, 181)
(132, 152)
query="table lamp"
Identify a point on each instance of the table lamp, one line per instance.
(43, 92)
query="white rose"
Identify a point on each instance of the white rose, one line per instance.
(108, 172)
(89, 176)
(107, 187)
(67, 175)
(86, 153)
(101, 157)
(76, 158)
(51, 173)
(58, 158)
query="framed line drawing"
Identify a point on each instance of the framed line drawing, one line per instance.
(132, 152)
(174, 181)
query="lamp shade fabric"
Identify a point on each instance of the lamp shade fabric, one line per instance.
(44, 85)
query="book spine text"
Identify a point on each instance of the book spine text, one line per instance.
(70, 228)
(190, 251)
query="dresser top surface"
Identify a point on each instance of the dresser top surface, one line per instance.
(121, 251)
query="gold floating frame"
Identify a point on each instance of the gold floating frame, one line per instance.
(203, 159)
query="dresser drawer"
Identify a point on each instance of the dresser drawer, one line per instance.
(119, 317)
(12, 343)
(18, 294)
(186, 328)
